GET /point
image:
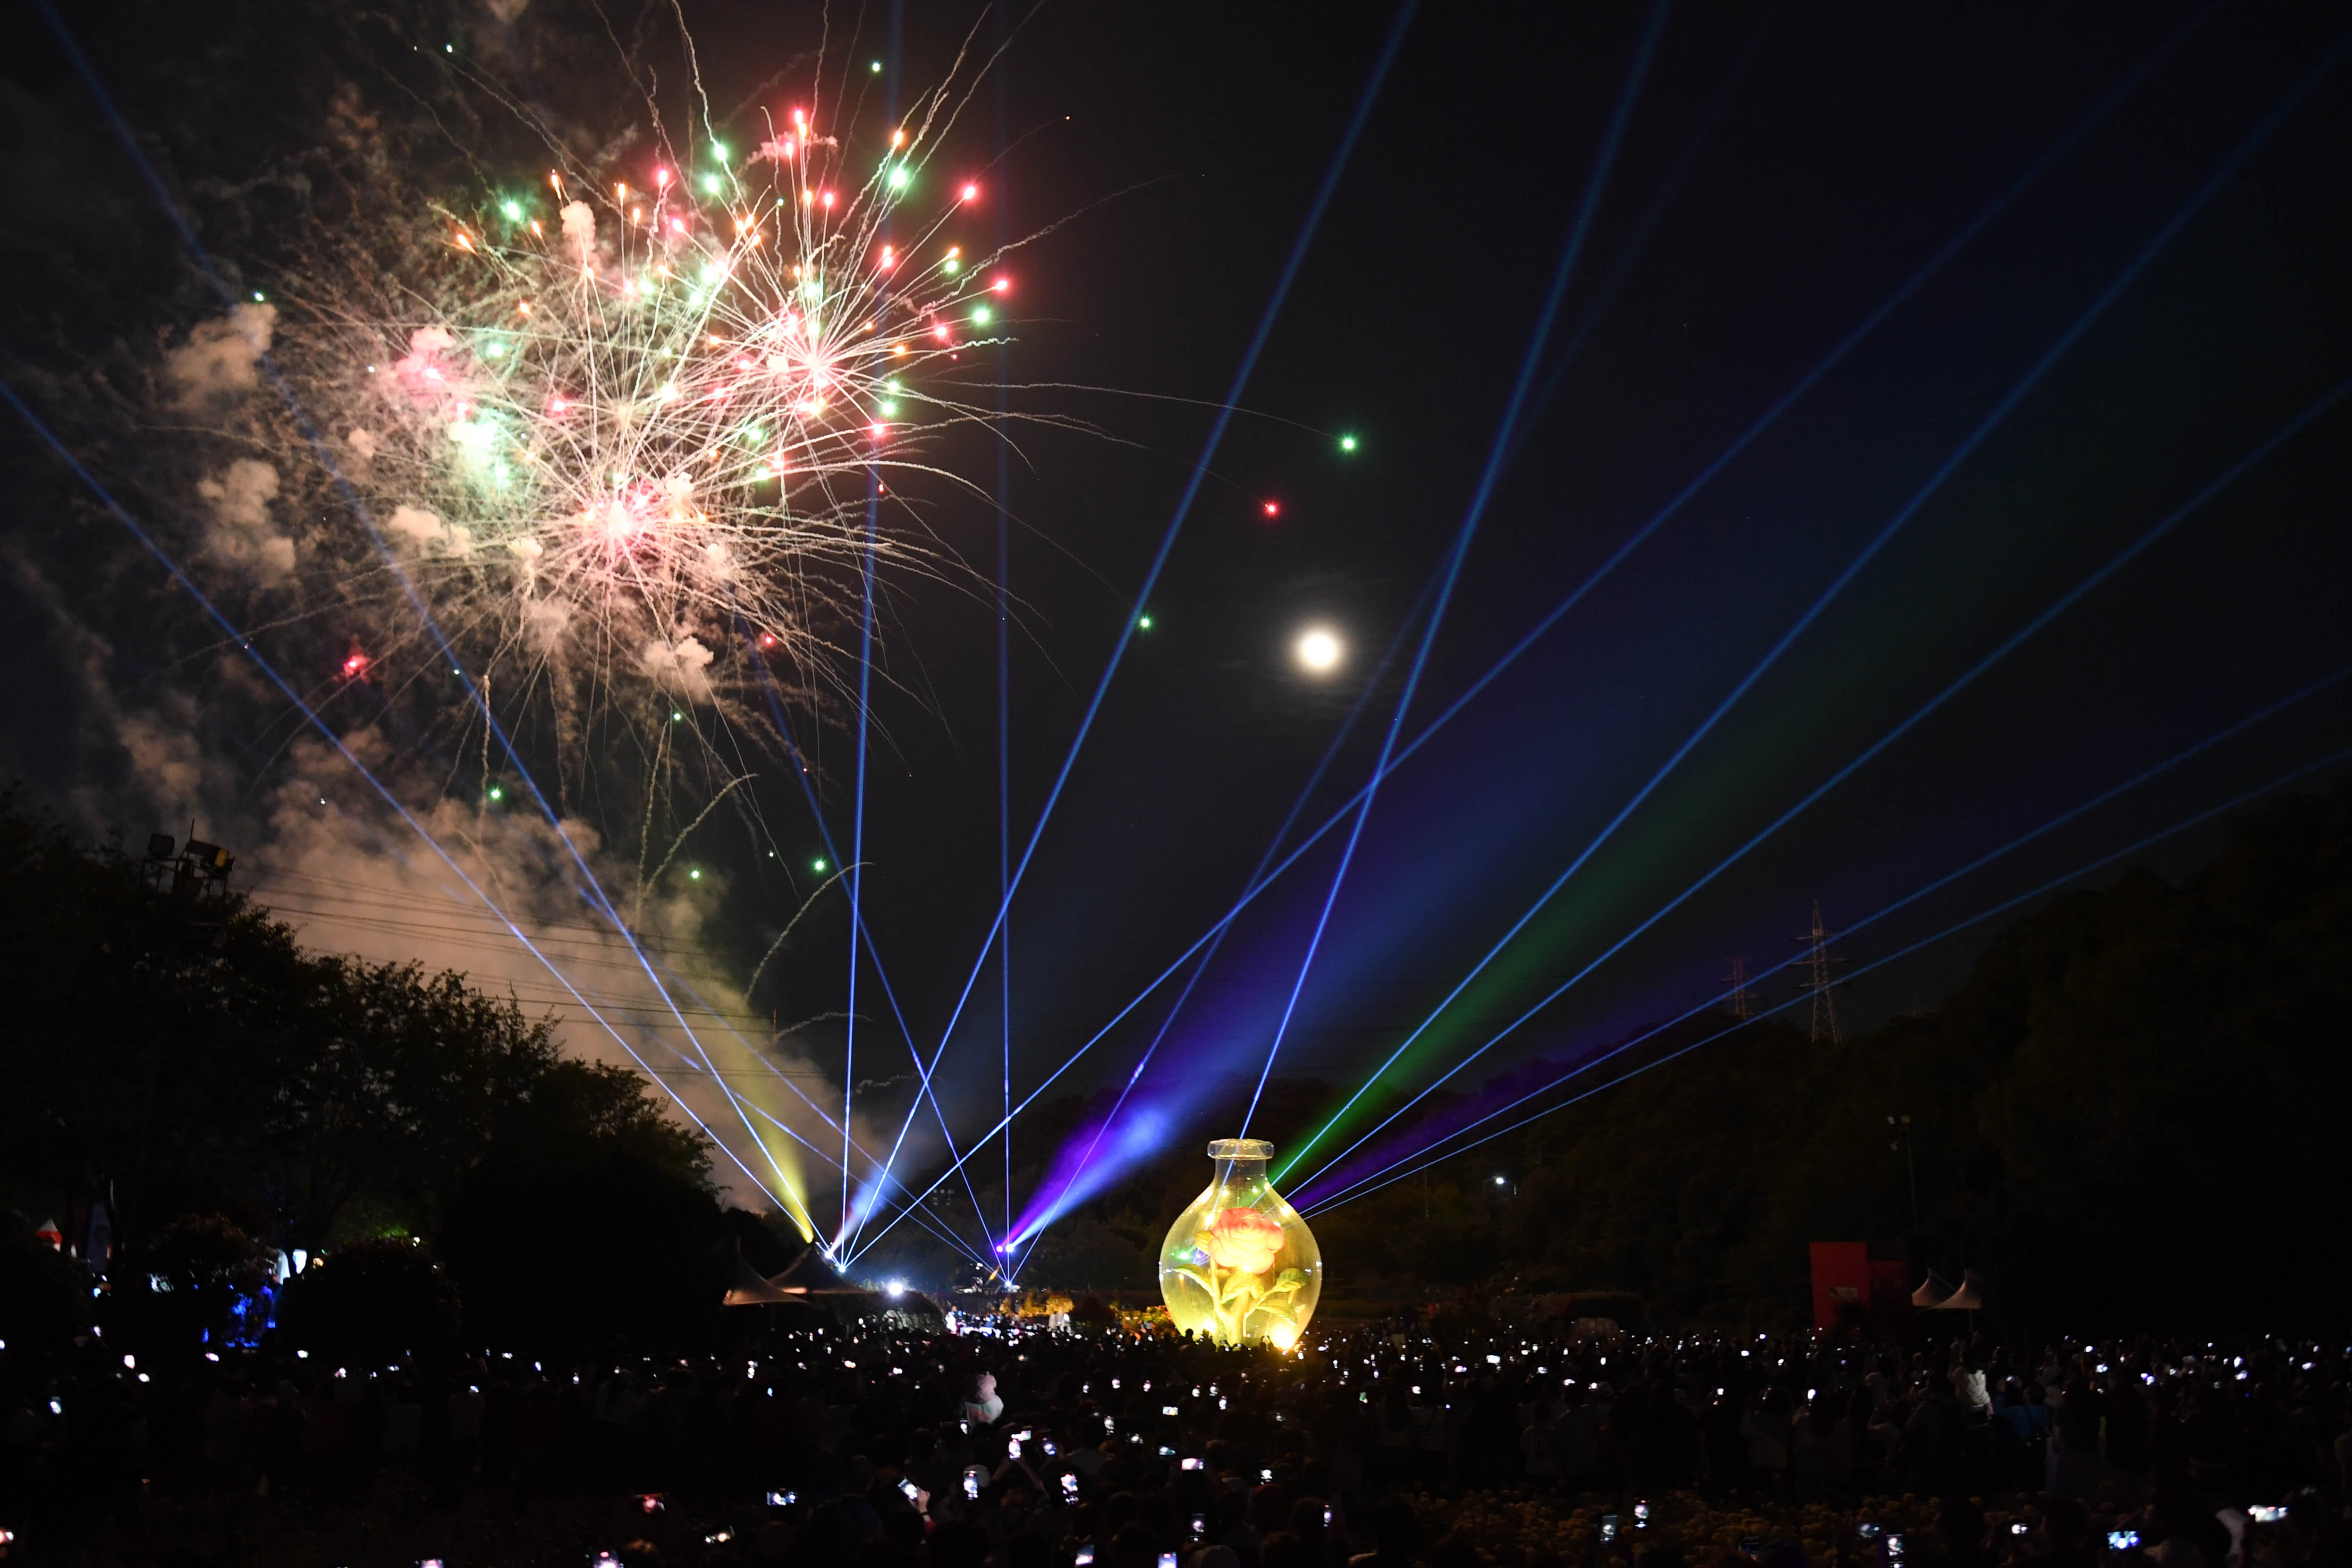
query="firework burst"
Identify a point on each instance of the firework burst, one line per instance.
(623, 444)
(636, 422)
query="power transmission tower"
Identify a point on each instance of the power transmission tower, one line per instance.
(1739, 978)
(1818, 963)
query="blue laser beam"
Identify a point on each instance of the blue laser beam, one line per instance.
(1290, 269)
(2052, 885)
(857, 838)
(1042, 1216)
(959, 1242)
(392, 850)
(1869, 323)
(1638, 238)
(687, 987)
(801, 773)
(1855, 337)
(2009, 645)
(1004, 644)
(1185, 957)
(1487, 480)
(2144, 776)
(146, 539)
(1984, 428)
(324, 453)
(1005, 788)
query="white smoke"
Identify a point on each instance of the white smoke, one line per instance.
(331, 859)
(682, 665)
(580, 229)
(426, 373)
(216, 365)
(242, 529)
(423, 529)
(544, 622)
(324, 852)
(165, 758)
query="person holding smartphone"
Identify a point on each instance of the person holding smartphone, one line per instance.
(1960, 1528)
(1396, 1535)
(1311, 1522)
(2178, 1531)
(1017, 1469)
(2063, 1539)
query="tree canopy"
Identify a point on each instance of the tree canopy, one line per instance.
(223, 1069)
(2126, 1117)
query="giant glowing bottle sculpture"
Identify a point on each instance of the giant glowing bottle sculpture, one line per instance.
(1239, 1264)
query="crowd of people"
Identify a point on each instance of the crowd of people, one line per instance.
(872, 1445)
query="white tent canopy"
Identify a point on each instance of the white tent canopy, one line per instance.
(1934, 1296)
(750, 1290)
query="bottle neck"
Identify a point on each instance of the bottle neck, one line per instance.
(1238, 1173)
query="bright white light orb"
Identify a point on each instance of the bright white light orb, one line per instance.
(1317, 651)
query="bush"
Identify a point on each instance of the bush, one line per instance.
(566, 1254)
(182, 1288)
(371, 1301)
(44, 1298)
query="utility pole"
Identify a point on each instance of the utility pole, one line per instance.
(1818, 963)
(193, 880)
(1739, 978)
(1902, 1142)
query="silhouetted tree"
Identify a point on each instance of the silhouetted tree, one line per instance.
(376, 1300)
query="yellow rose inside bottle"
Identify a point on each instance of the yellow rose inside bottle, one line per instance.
(1239, 1264)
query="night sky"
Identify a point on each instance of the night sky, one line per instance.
(1780, 173)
